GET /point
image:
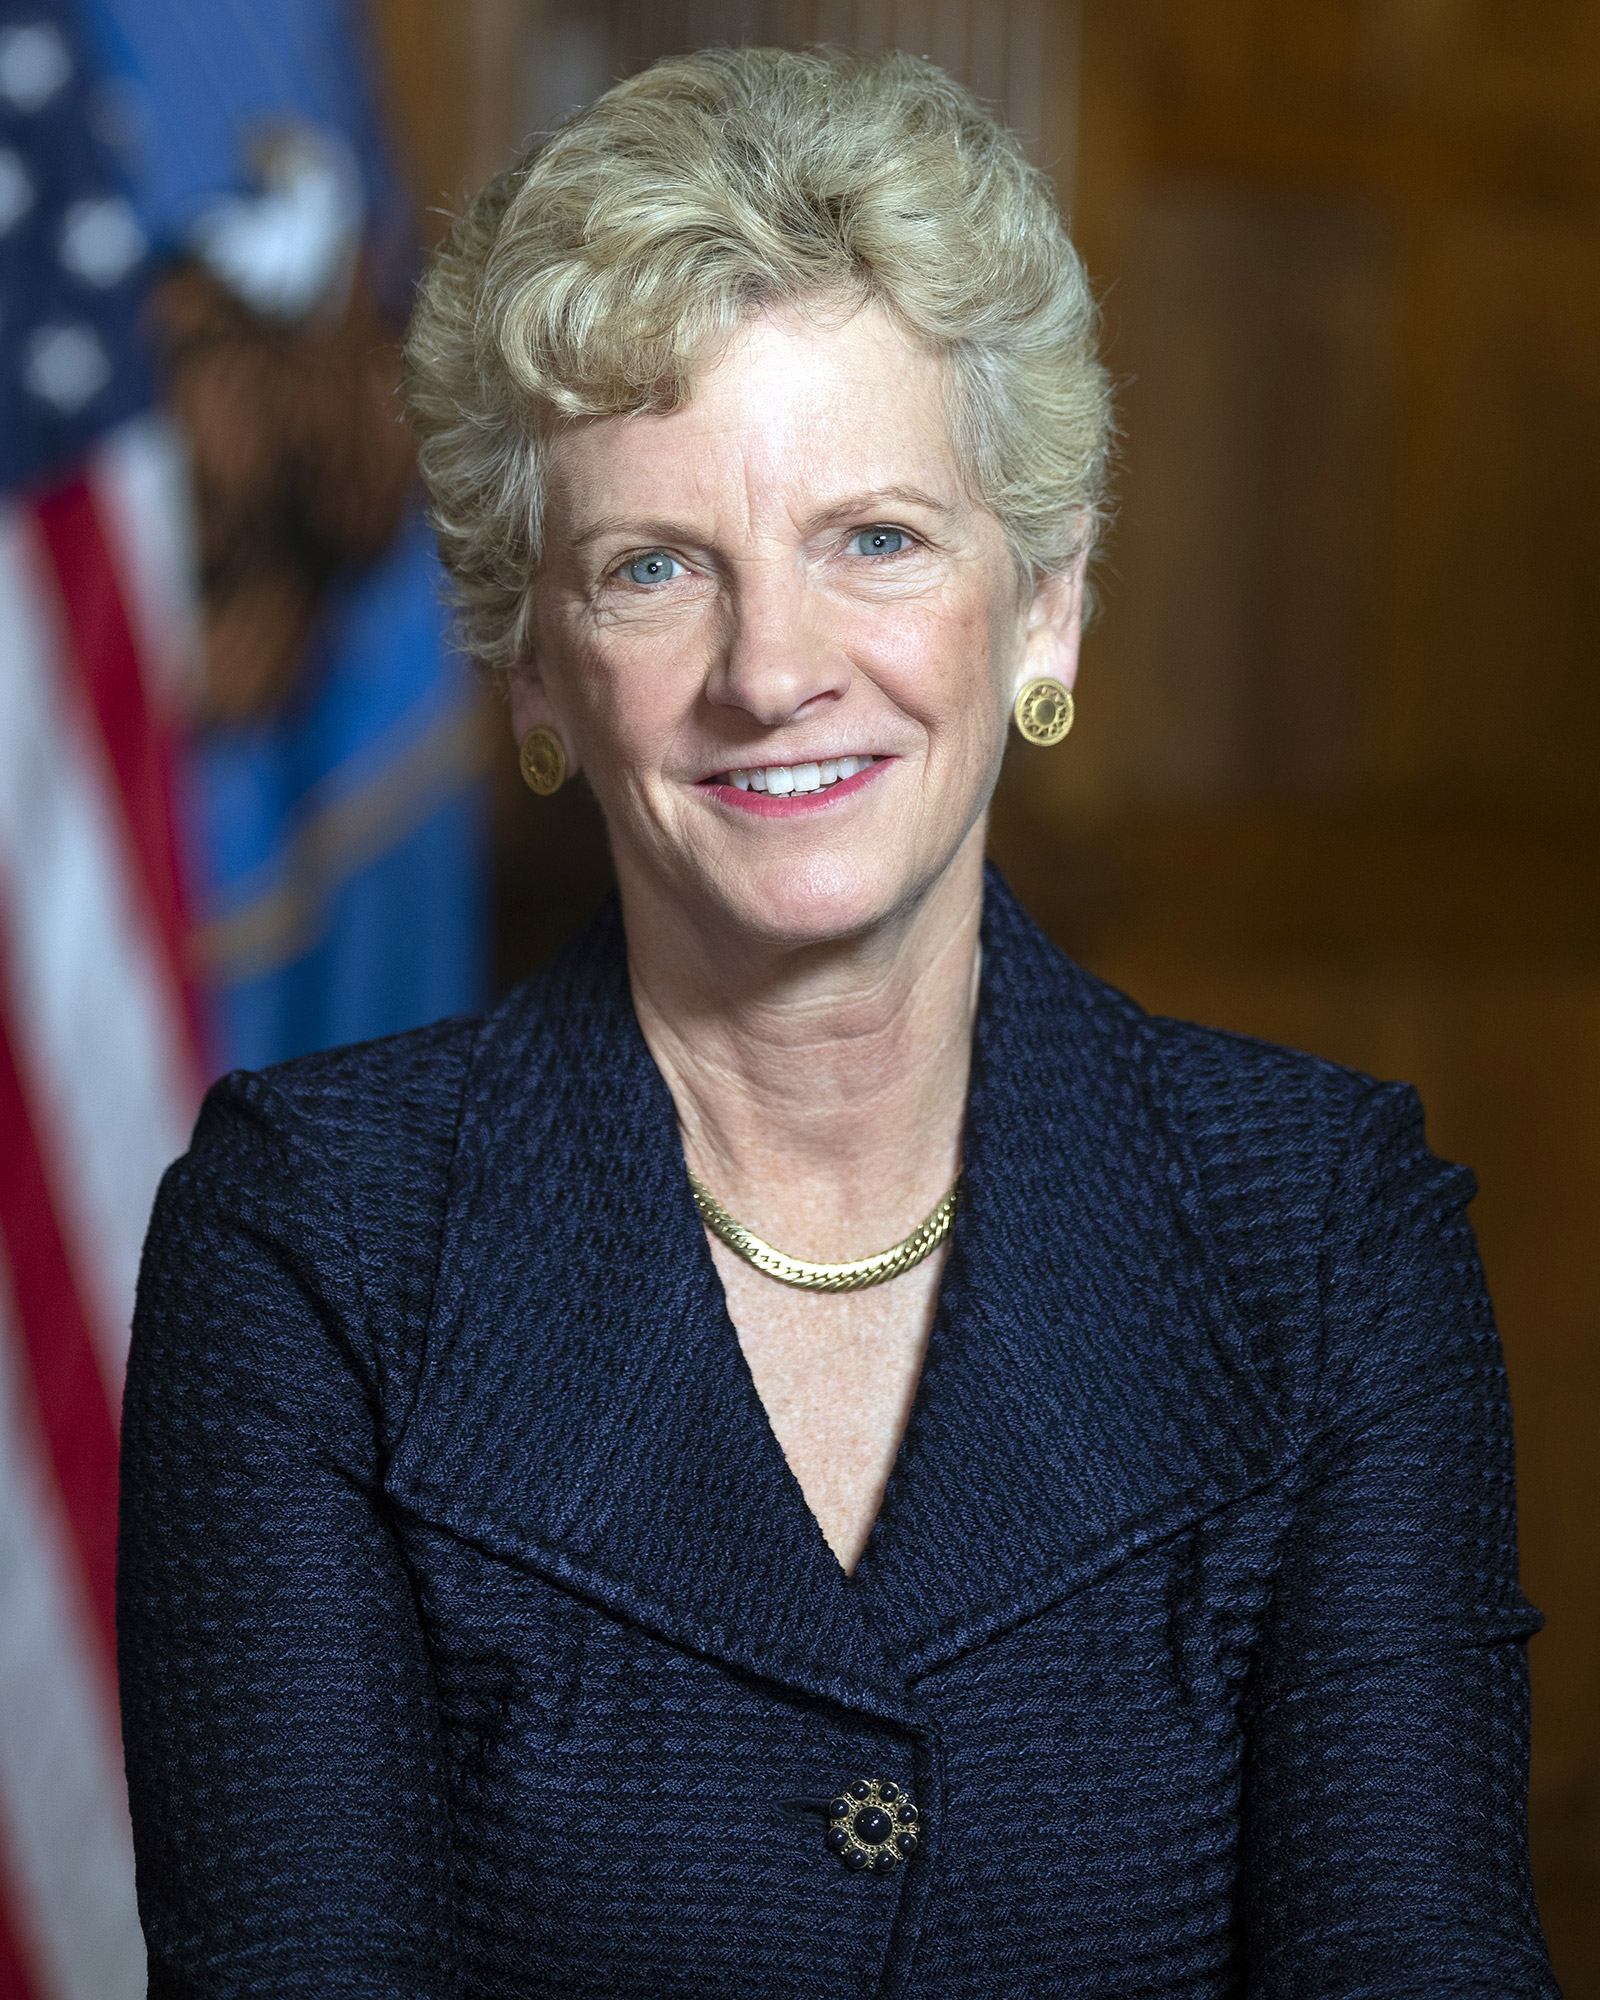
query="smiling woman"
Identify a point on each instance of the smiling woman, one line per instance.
(816, 1446)
(826, 586)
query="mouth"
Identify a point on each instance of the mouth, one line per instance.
(780, 780)
(771, 789)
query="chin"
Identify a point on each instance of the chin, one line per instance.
(822, 899)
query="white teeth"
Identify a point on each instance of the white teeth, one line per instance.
(781, 779)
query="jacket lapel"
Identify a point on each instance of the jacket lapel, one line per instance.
(584, 1409)
(1088, 1389)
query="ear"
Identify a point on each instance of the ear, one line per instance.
(531, 709)
(1055, 626)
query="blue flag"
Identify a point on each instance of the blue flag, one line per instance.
(338, 844)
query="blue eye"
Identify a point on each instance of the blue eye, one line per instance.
(880, 542)
(654, 566)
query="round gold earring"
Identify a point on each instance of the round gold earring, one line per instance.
(543, 760)
(1043, 711)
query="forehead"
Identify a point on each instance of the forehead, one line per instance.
(800, 409)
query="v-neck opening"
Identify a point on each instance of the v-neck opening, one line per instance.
(581, 1410)
(851, 1578)
(942, 1335)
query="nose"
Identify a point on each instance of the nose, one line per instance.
(776, 656)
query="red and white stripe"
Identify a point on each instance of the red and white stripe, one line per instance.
(100, 1070)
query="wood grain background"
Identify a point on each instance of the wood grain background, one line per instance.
(1336, 779)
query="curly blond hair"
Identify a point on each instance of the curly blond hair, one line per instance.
(600, 271)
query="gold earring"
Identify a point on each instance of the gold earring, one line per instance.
(543, 760)
(1043, 711)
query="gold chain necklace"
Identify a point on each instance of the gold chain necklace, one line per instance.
(852, 1277)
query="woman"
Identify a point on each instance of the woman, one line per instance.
(536, 1583)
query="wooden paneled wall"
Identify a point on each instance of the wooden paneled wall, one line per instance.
(1336, 779)
(475, 77)
(1015, 54)
(1337, 775)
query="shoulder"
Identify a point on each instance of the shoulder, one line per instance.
(1287, 1149)
(1290, 1135)
(1226, 1096)
(318, 1134)
(364, 1136)
(1237, 1098)
(326, 1175)
(358, 1092)
(1344, 1239)
(1338, 1238)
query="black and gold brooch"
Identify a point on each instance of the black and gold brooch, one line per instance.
(872, 1824)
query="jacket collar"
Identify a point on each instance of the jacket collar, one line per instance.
(1088, 1388)
(585, 1410)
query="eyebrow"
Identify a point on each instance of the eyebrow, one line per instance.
(858, 504)
(865, 502)
(630, 530)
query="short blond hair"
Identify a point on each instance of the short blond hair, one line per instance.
(600, 271)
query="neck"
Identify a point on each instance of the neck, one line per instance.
(820, 1088)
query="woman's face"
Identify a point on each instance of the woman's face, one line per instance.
(781, 638)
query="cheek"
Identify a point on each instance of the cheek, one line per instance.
(605, 690)
(948, 665)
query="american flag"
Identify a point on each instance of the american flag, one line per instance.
(99, 1045)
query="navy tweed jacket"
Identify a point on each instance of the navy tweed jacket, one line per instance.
(476, 1639)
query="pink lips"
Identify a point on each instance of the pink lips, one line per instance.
(792, 804)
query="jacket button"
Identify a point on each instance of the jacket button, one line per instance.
(871, 1824)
